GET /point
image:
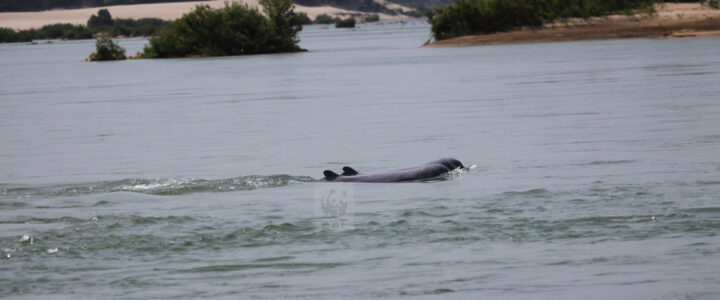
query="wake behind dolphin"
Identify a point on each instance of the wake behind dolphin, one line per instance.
(425, 171)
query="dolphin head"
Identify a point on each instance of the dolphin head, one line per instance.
(449, 163)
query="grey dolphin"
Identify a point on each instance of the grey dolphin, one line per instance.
(449, 163)
(420, 173)
(427, 170)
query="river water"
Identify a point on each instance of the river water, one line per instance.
(596, 175)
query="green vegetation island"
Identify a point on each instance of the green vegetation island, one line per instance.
(103, 24)
(236, 29)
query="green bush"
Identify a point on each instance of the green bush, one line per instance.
(78, 32)
(106, 49)
(345, 23)
(54, 31)
(235, 29)
(487, 16)
(24, 35)
(139, 27)
(302, 18)
(285, 25)
(104, 23)
(8, 35)
(372, 18)
(102, 18)
(324, 19)
(417, 13)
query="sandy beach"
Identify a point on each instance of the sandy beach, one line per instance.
(669, 20)
(165, 11)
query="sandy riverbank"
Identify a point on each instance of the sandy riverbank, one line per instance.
(670, 20)
(165, 11)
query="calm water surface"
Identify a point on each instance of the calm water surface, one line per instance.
(597, 170)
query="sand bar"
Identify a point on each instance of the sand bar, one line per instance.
(670, 20)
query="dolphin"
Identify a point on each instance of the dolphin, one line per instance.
(425, 171)
(449, 163)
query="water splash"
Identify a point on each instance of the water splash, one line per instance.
(153, 186)
(459, 171)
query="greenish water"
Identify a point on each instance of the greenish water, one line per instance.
(597, 173)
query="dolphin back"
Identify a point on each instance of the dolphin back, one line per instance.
(423, 172)
(450, 163)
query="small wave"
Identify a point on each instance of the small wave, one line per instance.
(701, 182)
(31, 220)
(421, 213)
(273, 259)
(709, 210)
(110, 219)
(287, 227)
(608, 162)
(240, 267)
(397, 223)
(12, 204)
(529, 193)
(155, 186)
(439, 291)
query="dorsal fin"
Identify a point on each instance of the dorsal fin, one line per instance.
(348, 171)
(330, 175)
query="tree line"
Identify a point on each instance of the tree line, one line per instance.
(38, 5)
(100, 24)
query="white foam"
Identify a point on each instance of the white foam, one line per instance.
(152, 185)
(26, 239)
(8, 252)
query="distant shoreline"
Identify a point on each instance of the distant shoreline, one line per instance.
(167, 11)
(669, 21)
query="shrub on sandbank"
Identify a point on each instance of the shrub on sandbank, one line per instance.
(106, 49)
(345, 23)
(235, 29)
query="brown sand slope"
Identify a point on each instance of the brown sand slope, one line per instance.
(669, 21)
